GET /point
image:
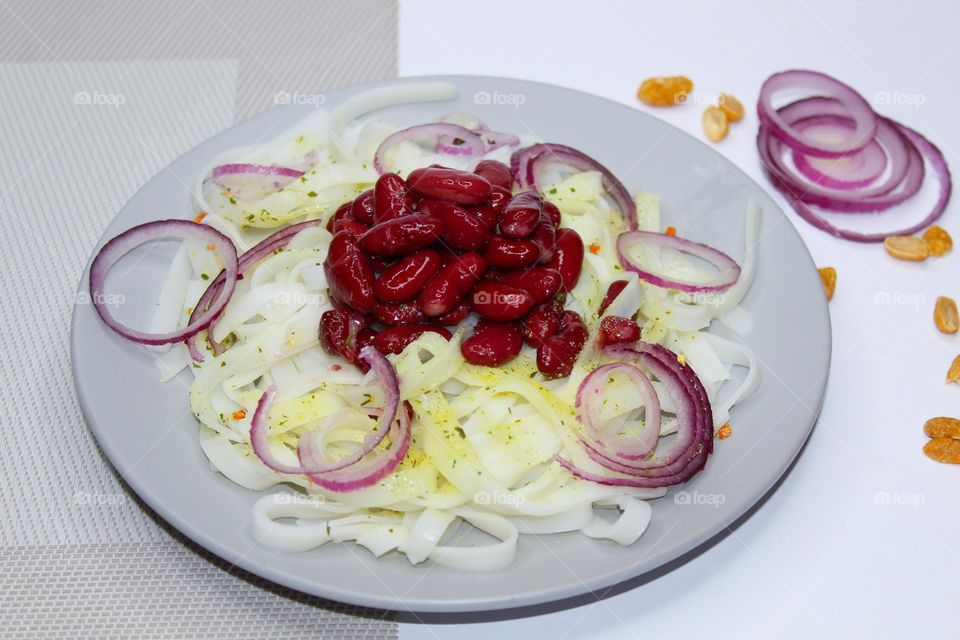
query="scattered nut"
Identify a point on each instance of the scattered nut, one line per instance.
(945, 315)
(731, 106)
(715, 123)
(907, 248)
(665, 92)
(725, 431)
(953, 373)
(945, 450)
(829, 277)
(942, 428)
(938, 240)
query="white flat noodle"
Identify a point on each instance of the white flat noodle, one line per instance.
(740, 355)
(173, 362)
(627, 528)
(738, 320)
(167, 314)
(484, 441)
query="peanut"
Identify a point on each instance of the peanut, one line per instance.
(829, 277)
(938, 241)
(945, 450)
(945, 315)
(907, 248)
(664, 92)
(731, 106)
(715, 124)
(942, 428)
(953, 373)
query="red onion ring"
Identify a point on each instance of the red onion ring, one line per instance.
(687, 453)
(309, 464)
(523, 165)
(927, 150)
(728, 270)
(373, 469)
(904, 178)
(472, 142)
(855, 171)
(260, 179)
(254, 170)
(254, 254)
(819, 84)
(590, 394)
(129, 240)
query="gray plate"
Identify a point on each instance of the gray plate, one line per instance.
(148, 435)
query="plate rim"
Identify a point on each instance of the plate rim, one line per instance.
(457, 605)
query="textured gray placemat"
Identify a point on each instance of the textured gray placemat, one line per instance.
(95, 98)
(283, 47)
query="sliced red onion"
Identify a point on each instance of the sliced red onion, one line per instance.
(686, 453)
(466, 141)
(903, 180)
(927, 150)
(727, 269)
(496, 139)
(129, 240)
(252, 181)
(253, 255)
(524, 163)
(850, 172)
(309, 460)
(590, 397)
(372, 469)
(822, 85)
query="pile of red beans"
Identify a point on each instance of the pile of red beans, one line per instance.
(421, 254)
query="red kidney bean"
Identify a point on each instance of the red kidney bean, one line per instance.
(496, 173)
(500, 302)
(349, 274)
(365, 338)
(540, 282)
(612, 292)
(544, 236)
(617, 329)
(390, 198)
(521, 216)
(504, 253)
(445, 289)
(379, 263)
(455, 316)
(447, 255)
(362, 208)
(499, 198)
(555, 357)
(542, 322)
(486, 214)
(402, 235)
(351, 226)
(339, 331)
(396, 313)
(451, 185)
(405, 278)
(492, 343)
(568, 257)
(343, 211)
(552, 211)
(396, 339)
(463, 229)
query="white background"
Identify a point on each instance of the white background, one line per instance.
(825, 556)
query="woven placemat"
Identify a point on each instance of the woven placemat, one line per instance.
(95, 98)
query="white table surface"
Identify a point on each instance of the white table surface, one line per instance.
(860, 540)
